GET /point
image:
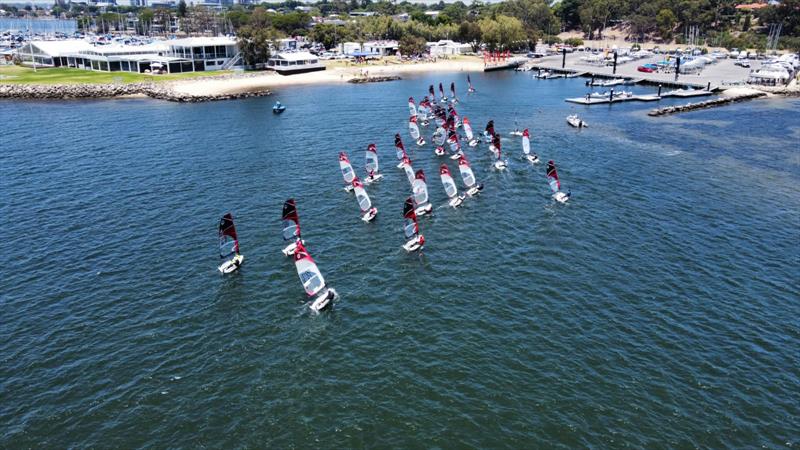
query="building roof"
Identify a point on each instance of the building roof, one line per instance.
(751, 6)
(59, 48)
(295, 56)
(201, 41)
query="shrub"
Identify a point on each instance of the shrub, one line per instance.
(551, 39)
(575, 42)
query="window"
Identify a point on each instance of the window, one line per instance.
(211, 63)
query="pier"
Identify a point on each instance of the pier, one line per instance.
(681, 93)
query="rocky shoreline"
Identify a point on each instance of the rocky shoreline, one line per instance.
(703, 105)
(161, 91)
(379, 79)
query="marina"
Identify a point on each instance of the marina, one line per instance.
(666, 223)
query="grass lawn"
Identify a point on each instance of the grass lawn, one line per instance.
(60, 75)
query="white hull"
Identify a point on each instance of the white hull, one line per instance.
(439, 151)
(533, 159)
(560, 197)
(348, 188)
(516, 133)
(369, 216)
(414, 244)
(400, 165)
(577, 123)
(232, 264)
(290, 249)
(323, 300)
(424, 209)
(500, 165)
(420, 141)
(474, 190)
(473, 143)
(456, 201)
(372, 179)
(456, 156)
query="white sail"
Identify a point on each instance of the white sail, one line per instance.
(466, 173)
(347, 170)
(363, 199)
(412, 108)
(409, 170)
(371, 164)
(309, 275)
(526, 142)
(439, 136)
(413, 129)
(449, 185)
(467, 129)
(420, 189)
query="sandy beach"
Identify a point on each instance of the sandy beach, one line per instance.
(335, 73)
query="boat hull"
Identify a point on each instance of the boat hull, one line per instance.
(231, 265)
(414, 244)
(560, 197)
(324, 300)
(369, 216)
(290, 249)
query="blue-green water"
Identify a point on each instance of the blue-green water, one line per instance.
(658, 309)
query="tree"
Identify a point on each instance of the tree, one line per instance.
(412, 45)
(182, 8)
(329, 35)
(567, 11)
(534, 14)
(470, 33)
(503, 32)
(666, 22)
(254, 44)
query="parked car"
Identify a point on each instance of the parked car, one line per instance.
(645, 69)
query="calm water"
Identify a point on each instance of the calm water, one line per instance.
(659, 308)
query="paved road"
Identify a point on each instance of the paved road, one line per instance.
(722, 72)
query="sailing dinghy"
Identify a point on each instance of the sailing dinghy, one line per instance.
(443, 99)
(438, 139)
(420, 189)
(488, 132)
(453, 98)
(455, 145)
(468, 177)
(555, 184)
(500, 163)
(413, 130)
(401, 150)
(291, 227)
(406, 166)
(347, 171)
(412, 107)
(312, 280)
(468, 132)
(450, 187)
(469, 83)
(371, 166)
(368, 212)
(533, 158)
(411, 228)
(424, 112)
(229, 245)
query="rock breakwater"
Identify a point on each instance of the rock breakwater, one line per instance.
(162, 91)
